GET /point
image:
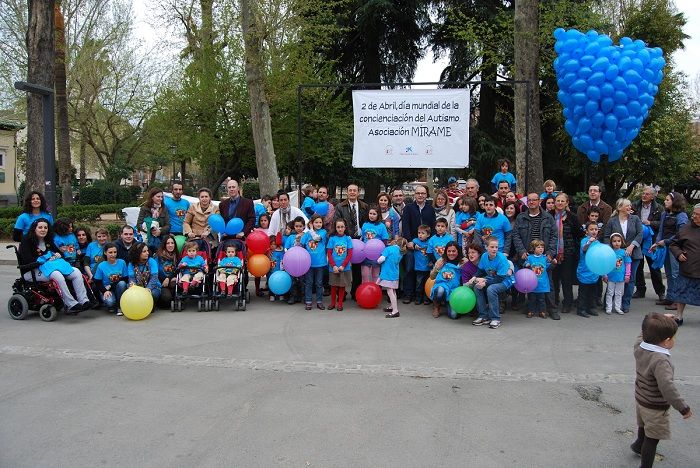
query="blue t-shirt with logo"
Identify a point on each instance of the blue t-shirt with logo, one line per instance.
(461, 220)
(229, 265)
(191, 266)
(374, 231)
(259, 211)
(420, 255)
(25, 220)
(95, 252)
(508, 177)
(496, 226)
(436, 244)
(307, 206)
(538, 264)
(621, 261)
(339, 247)
(449, 277)
(177, 211)
(68, 245)
(111, 273)
(316, 248)
(583, 274)
(495, 269)
(166, 267)
(390, 267)
(291, 241)
(276, 262)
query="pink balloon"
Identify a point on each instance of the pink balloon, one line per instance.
(296, 261)
(358, 251)
(525, 280)
(373, 249)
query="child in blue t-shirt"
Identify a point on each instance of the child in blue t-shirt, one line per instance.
(192, 267)
(538, 263)
(422, 262)
(389, 274)
(65, 240)
(276, 256)
(586, 278)
(550, 189)
(437, 243)
(620, 276)
(493, 276)
(504, 174)
(374, 228)
(339, 252)
(110, 277)
(307, 206)
(294, 240)
(314, 241)
(447, 274)
(465, 220)
(228, 270)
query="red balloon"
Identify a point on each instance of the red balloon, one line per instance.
(258, 242)
(368, 295)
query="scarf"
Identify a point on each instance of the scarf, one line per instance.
(559, 218)
(142, 274)
(155, 211)
(284, 217)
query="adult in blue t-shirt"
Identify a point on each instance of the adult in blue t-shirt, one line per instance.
(34, 207)
(110, 277)
(493, 223)
(177, 209)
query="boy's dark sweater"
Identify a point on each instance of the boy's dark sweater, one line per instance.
(654, 387)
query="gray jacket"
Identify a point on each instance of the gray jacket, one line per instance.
(634, 233)
(522, 233)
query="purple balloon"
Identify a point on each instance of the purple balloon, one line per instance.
(296, 261)
(358, 251)
(373, 249)
(525, 280)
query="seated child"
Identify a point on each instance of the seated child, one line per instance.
(192, 266)
(447, 274)
(228, 271)
(111, 276)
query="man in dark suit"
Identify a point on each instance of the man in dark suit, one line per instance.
(355, 213)
(649, 211)
(237, 206)
(415, 214)
(594, 200)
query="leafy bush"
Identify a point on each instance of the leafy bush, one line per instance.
(251, 190)
(101, 192)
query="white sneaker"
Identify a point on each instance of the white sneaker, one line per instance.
(119, 313)
(480, 321)
(620, 312)
(495, 324)
(608, 312)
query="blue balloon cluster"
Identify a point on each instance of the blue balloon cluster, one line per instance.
(606, 90)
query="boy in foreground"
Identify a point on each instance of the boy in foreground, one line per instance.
(654, 390)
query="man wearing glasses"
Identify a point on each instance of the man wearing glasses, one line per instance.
(415, 214)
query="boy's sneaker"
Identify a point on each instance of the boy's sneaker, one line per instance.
(272, 298)
(119, 313)
(620, 312)
(495, 324)
(481, 321)
(608, 312)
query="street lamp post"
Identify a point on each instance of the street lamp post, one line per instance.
(49, 142)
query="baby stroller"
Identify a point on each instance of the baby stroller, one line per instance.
(31, 295)
(240, 295)
(200, 293)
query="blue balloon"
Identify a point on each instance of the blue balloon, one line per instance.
(611, 123)
(607, 104)
(279, 282)
(234, 226)
(620, 97)
(321, 208)
(611, 72)
(217, 223)
(601, 259)
(598, 119)
(593, 94)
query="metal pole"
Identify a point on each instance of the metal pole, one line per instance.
(49, 154)
(299, 146)
(527, 137)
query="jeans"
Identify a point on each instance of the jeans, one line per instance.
(314, 277)
(117, 291)
(487, 301)
(441, 297)
(421, 278)
(409, 284)
(672, 270)
(629, 287)
(535, 302)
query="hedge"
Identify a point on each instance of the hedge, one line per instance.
(78, 213)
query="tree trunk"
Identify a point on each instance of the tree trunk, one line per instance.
(526, 45)
(65, 172)
(40, 49)
(83, 162)
(268, 177)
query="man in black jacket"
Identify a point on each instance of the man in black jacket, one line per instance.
(124, 243)
(649, 211)
(414, 214)
(355, 213)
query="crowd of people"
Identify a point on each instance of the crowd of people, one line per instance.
(464, 236)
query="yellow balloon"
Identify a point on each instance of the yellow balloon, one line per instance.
(136, 303)
(429, 286)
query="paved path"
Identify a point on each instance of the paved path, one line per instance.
(279, 386)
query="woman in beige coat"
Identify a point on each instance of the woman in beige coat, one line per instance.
(195, 225)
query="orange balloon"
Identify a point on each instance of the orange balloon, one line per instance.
(429, 286)
(258, 265)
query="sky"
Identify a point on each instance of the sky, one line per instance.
(686, 60)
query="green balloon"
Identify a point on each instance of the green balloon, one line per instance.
(179, 242)
(462, 300)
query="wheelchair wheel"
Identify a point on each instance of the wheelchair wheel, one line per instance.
(48, 313)
(18, 307)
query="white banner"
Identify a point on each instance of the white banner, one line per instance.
(411, 128)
